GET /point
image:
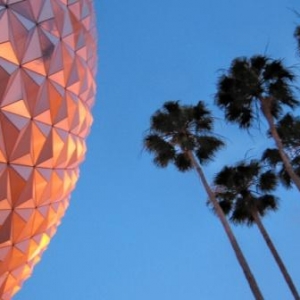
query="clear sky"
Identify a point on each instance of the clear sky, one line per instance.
(136, 232)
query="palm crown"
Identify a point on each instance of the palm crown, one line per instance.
(177, 129)
(254, 83)
(245, 189)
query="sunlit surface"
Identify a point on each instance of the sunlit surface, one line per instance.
(47, 70)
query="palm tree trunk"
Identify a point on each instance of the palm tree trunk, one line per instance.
(265, 107)
(275, 254)
(237, 250)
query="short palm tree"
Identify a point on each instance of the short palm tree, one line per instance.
(254, 87)
(288, 128)
(182, 135)
(244, 193)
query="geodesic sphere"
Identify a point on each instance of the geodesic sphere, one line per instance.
(47, 88)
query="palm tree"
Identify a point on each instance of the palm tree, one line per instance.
(288, 128)
(257, 86)
(183, 135)
(244, 193)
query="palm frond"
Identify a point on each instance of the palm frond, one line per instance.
(223, 177)
(226, 206)
(285, 178)
(204, 124)
(243, 116)
(185, 141)
(164, 152)
(258, 63)
(239, 67)
(249, 169)
(288, 128)
(267, 181)
(207, 146)
(200, 110)
(162, 160)
(283, 94)
(286, 124)
(267, 203)
(225, 199)
(171, 106)
(160, 122)
(242, 212)
(271, 156)
(225, 84)
(273, 159)
(276, 70)
(183, 162)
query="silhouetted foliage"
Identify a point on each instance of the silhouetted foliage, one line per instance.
(245, 188)
(248, 82)
(176, 129)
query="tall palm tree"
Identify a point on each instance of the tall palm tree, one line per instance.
(183, 135)
(244, 193)
(288, 128)
(256, 86)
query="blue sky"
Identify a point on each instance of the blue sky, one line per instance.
(135, 232)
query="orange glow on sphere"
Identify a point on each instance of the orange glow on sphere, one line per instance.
(47, 89)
